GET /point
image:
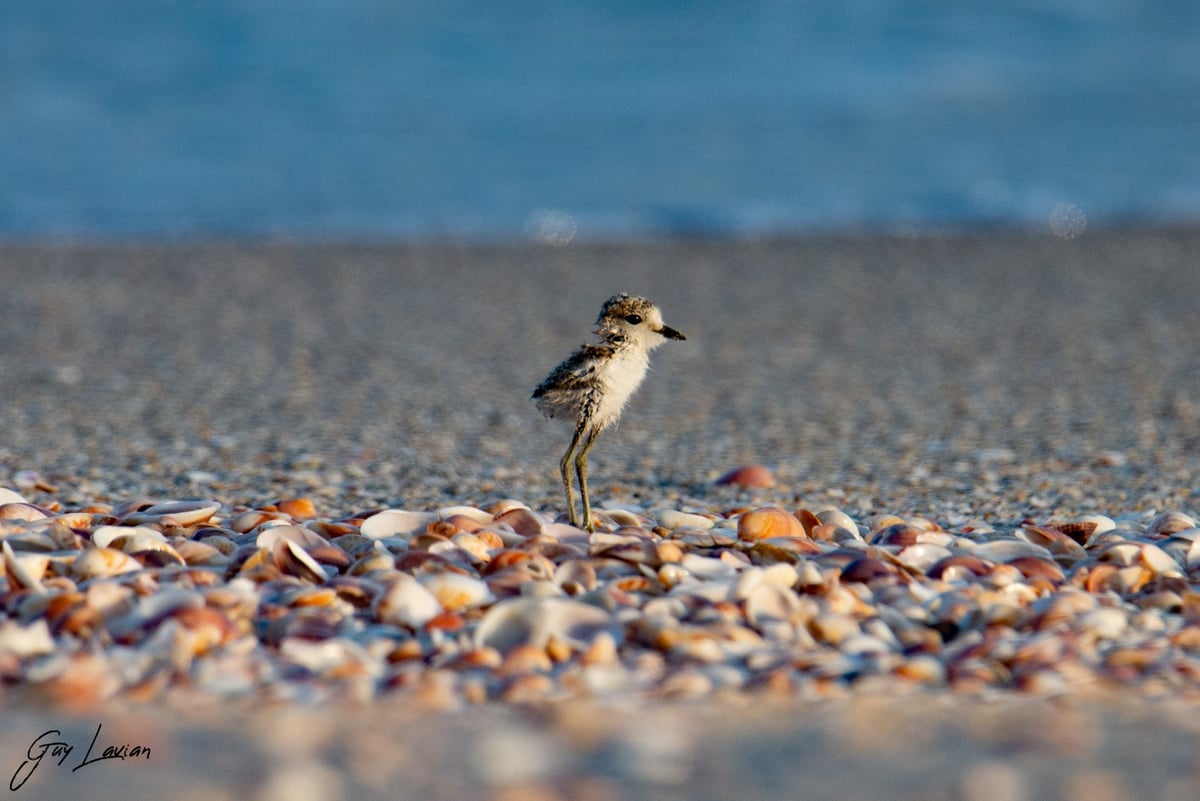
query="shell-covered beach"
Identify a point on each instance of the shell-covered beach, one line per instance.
(299, 497)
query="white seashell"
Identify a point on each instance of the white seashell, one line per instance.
(407, 603)
(329, 656)
(26, 570)
(1158, 561)
(533, 621)
(10, 496)
(623, 517)
(769, 603)
(21, 511)
(396, 523)
(103, 536)
(456, 591)
(834, 516)
(671, 519)
(100, 562)
(1007, 550)
(472, 545)
(179, 513)
(1103, 523)
(922, 555)
(1168, 523)
(863, 645)
(781, 574)
(1119, 553)
(298, 535)
(563, 532)
(1106, 623)
(713, 591)
(707, 567)
(1193, 555)
(25, 641)
(746, 582)
(478, 515)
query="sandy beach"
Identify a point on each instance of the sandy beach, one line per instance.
(991, 376)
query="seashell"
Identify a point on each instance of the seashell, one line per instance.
(8, 496)
(295, 561)
(406, 602)
(866, 570)
(396, 523)
(836, 517)
(298, 535)
(1055, 541)
(808, 520)
(768, 603)
(478, 516)
(140, 541)
(576, 576)
(522, 520)
(456, 592)
(922, 668)
(25, 571)
(922, 555)
(21, 510)
(174, 513)
(960, 564)
(1118, 553)
(1035, 567)
(901, 534)
(26, 641)
(833, 628)
(1169, 523)
(750, 476)
(707, 567)
(103, 536)
(331, 531)
(297, 508)
(1107, 623)
(1158, 561)
(767, 522)
(101, 562)
(671, 519)
(1080, 531)
(1007, 550)
(532, 621)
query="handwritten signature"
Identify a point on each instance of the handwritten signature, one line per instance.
(44, 746)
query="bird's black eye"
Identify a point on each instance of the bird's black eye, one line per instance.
(633, 319)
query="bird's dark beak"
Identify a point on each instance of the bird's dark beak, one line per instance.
(670, 333)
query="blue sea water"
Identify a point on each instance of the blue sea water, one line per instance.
(411, 120)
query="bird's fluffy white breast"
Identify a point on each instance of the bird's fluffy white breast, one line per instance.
(620, 377)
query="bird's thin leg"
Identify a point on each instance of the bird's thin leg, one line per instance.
(564, 467)
(581, 471)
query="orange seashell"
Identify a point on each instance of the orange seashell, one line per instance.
(751, 476)
(808, 520)
(768, 521)
(446, 621)
(297, 508)
(507, 558)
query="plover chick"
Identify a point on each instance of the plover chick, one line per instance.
(593, 384)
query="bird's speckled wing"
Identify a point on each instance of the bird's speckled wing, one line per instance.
(567, 387)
